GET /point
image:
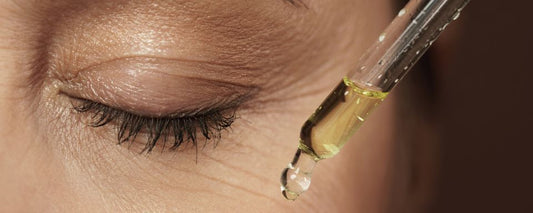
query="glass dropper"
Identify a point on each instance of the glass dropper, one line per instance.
(384, 64)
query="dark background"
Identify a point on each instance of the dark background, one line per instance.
(486, 111)
(468, 110)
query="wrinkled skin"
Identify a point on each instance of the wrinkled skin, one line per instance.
(157, 57)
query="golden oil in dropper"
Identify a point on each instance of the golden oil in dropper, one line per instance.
(326, 131)
(387, 61)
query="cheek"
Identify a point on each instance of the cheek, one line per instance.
(29, 167)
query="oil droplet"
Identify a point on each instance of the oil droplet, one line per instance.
(296, 178)
(443, 27)
(401, 13)
(382, 37)
(456, 15)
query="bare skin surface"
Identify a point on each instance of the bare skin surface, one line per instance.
(272, 62)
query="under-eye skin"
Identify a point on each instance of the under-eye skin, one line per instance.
(176, 129)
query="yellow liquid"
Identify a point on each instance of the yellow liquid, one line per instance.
(337, 119)
(326, 131)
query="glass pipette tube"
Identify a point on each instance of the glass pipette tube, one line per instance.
(378, 71)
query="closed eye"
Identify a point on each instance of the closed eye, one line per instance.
(176, 129)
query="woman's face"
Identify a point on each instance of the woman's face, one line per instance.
(179, 105)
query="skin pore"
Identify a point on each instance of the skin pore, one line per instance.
(270, 62)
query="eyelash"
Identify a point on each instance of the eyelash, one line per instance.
(183, 129)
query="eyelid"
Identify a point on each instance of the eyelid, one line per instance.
(77, 101)
(146, 87)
